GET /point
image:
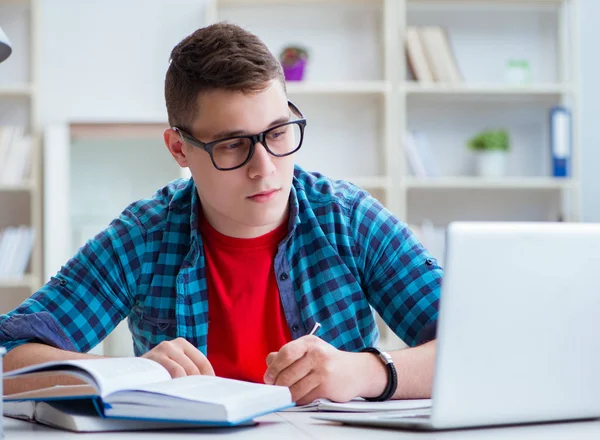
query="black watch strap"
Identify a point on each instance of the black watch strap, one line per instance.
(392, 383)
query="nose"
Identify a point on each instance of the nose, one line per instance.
(261, 164)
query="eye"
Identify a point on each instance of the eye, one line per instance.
(277, 134)
(231, 145)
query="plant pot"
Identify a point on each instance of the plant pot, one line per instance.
(294, 72)
(491, 163)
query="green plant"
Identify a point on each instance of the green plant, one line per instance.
(490, 140)
(290, 55)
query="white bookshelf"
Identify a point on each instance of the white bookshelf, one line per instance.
(359, 107)
(18, 105)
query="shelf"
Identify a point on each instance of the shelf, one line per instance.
(24, 282)
(22, 187)
(15, 90)
(337, 88)
(511, 183)
(416, 2)
(369, 182)
(413, 88)
(229, 3)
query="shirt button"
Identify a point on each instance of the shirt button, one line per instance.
(63, 283)
(284, 276)
(429, 262)
(295, 327)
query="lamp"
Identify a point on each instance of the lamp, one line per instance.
(5, 49)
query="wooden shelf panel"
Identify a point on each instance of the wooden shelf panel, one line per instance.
(15, 90)
(413, 88)
(338, 88)
(24, 282)
(230, 3)
(511, 183)
(26, 186)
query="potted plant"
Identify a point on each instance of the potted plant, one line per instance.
(293, 61)
(491, 148)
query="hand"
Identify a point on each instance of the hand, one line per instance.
(312, 368)
(180, 358)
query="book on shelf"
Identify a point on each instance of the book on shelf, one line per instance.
(141, 389)
(560, 141)
(419, 155)
(416, 57)
(16, 246)
(362, 405)
(430, 55)
(15, 155)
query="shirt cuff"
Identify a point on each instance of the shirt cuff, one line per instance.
(36, 327)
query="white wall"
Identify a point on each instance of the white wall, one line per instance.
(106, 60)
(589, 34)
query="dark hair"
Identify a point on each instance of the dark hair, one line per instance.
(219, 56)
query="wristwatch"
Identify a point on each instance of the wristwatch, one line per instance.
(392, 383)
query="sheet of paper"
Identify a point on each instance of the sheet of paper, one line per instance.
(361, 405)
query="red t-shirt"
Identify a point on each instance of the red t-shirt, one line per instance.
(246, 318)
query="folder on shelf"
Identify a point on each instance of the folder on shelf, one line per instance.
(560, 141)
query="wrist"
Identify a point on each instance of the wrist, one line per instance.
(373, 376)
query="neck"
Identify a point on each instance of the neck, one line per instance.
(231, 228)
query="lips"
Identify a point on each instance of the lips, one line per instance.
(264, 193)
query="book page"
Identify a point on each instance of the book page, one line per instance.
(106, 374)
(113, 374)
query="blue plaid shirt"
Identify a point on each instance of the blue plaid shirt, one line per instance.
(343, 254)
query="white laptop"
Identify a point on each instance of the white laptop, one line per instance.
(518, 337)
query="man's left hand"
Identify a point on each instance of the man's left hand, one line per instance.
(311, 368)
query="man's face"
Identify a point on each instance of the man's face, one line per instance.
(252, 200)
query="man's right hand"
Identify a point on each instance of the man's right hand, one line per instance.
(180, 358)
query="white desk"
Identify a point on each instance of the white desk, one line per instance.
(292, 426)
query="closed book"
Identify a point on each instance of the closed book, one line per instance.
(439, 54)
(415, 55)
(141, 389)
(560, 141)
(78, 416)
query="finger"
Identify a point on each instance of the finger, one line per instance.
(270, 357)
(295, 372)
(200, 361)
(196, 356)
(186, 363)
(174, 369)
(306, 390)
(289, 353)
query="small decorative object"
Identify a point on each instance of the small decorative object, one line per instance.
(293, 60)
(518, 72)
(491, 148)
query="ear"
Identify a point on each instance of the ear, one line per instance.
(178, 149)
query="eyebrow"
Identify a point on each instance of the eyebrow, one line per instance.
(231, 133)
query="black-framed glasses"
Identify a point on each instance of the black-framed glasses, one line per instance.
(236, 151)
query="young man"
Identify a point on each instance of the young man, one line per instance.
(227, 272)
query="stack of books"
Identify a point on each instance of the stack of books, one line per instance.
(15, 155)
(16, 245)
(430, 56)
(123, 394)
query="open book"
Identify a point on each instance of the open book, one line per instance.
(141, 389)
(361, 405)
